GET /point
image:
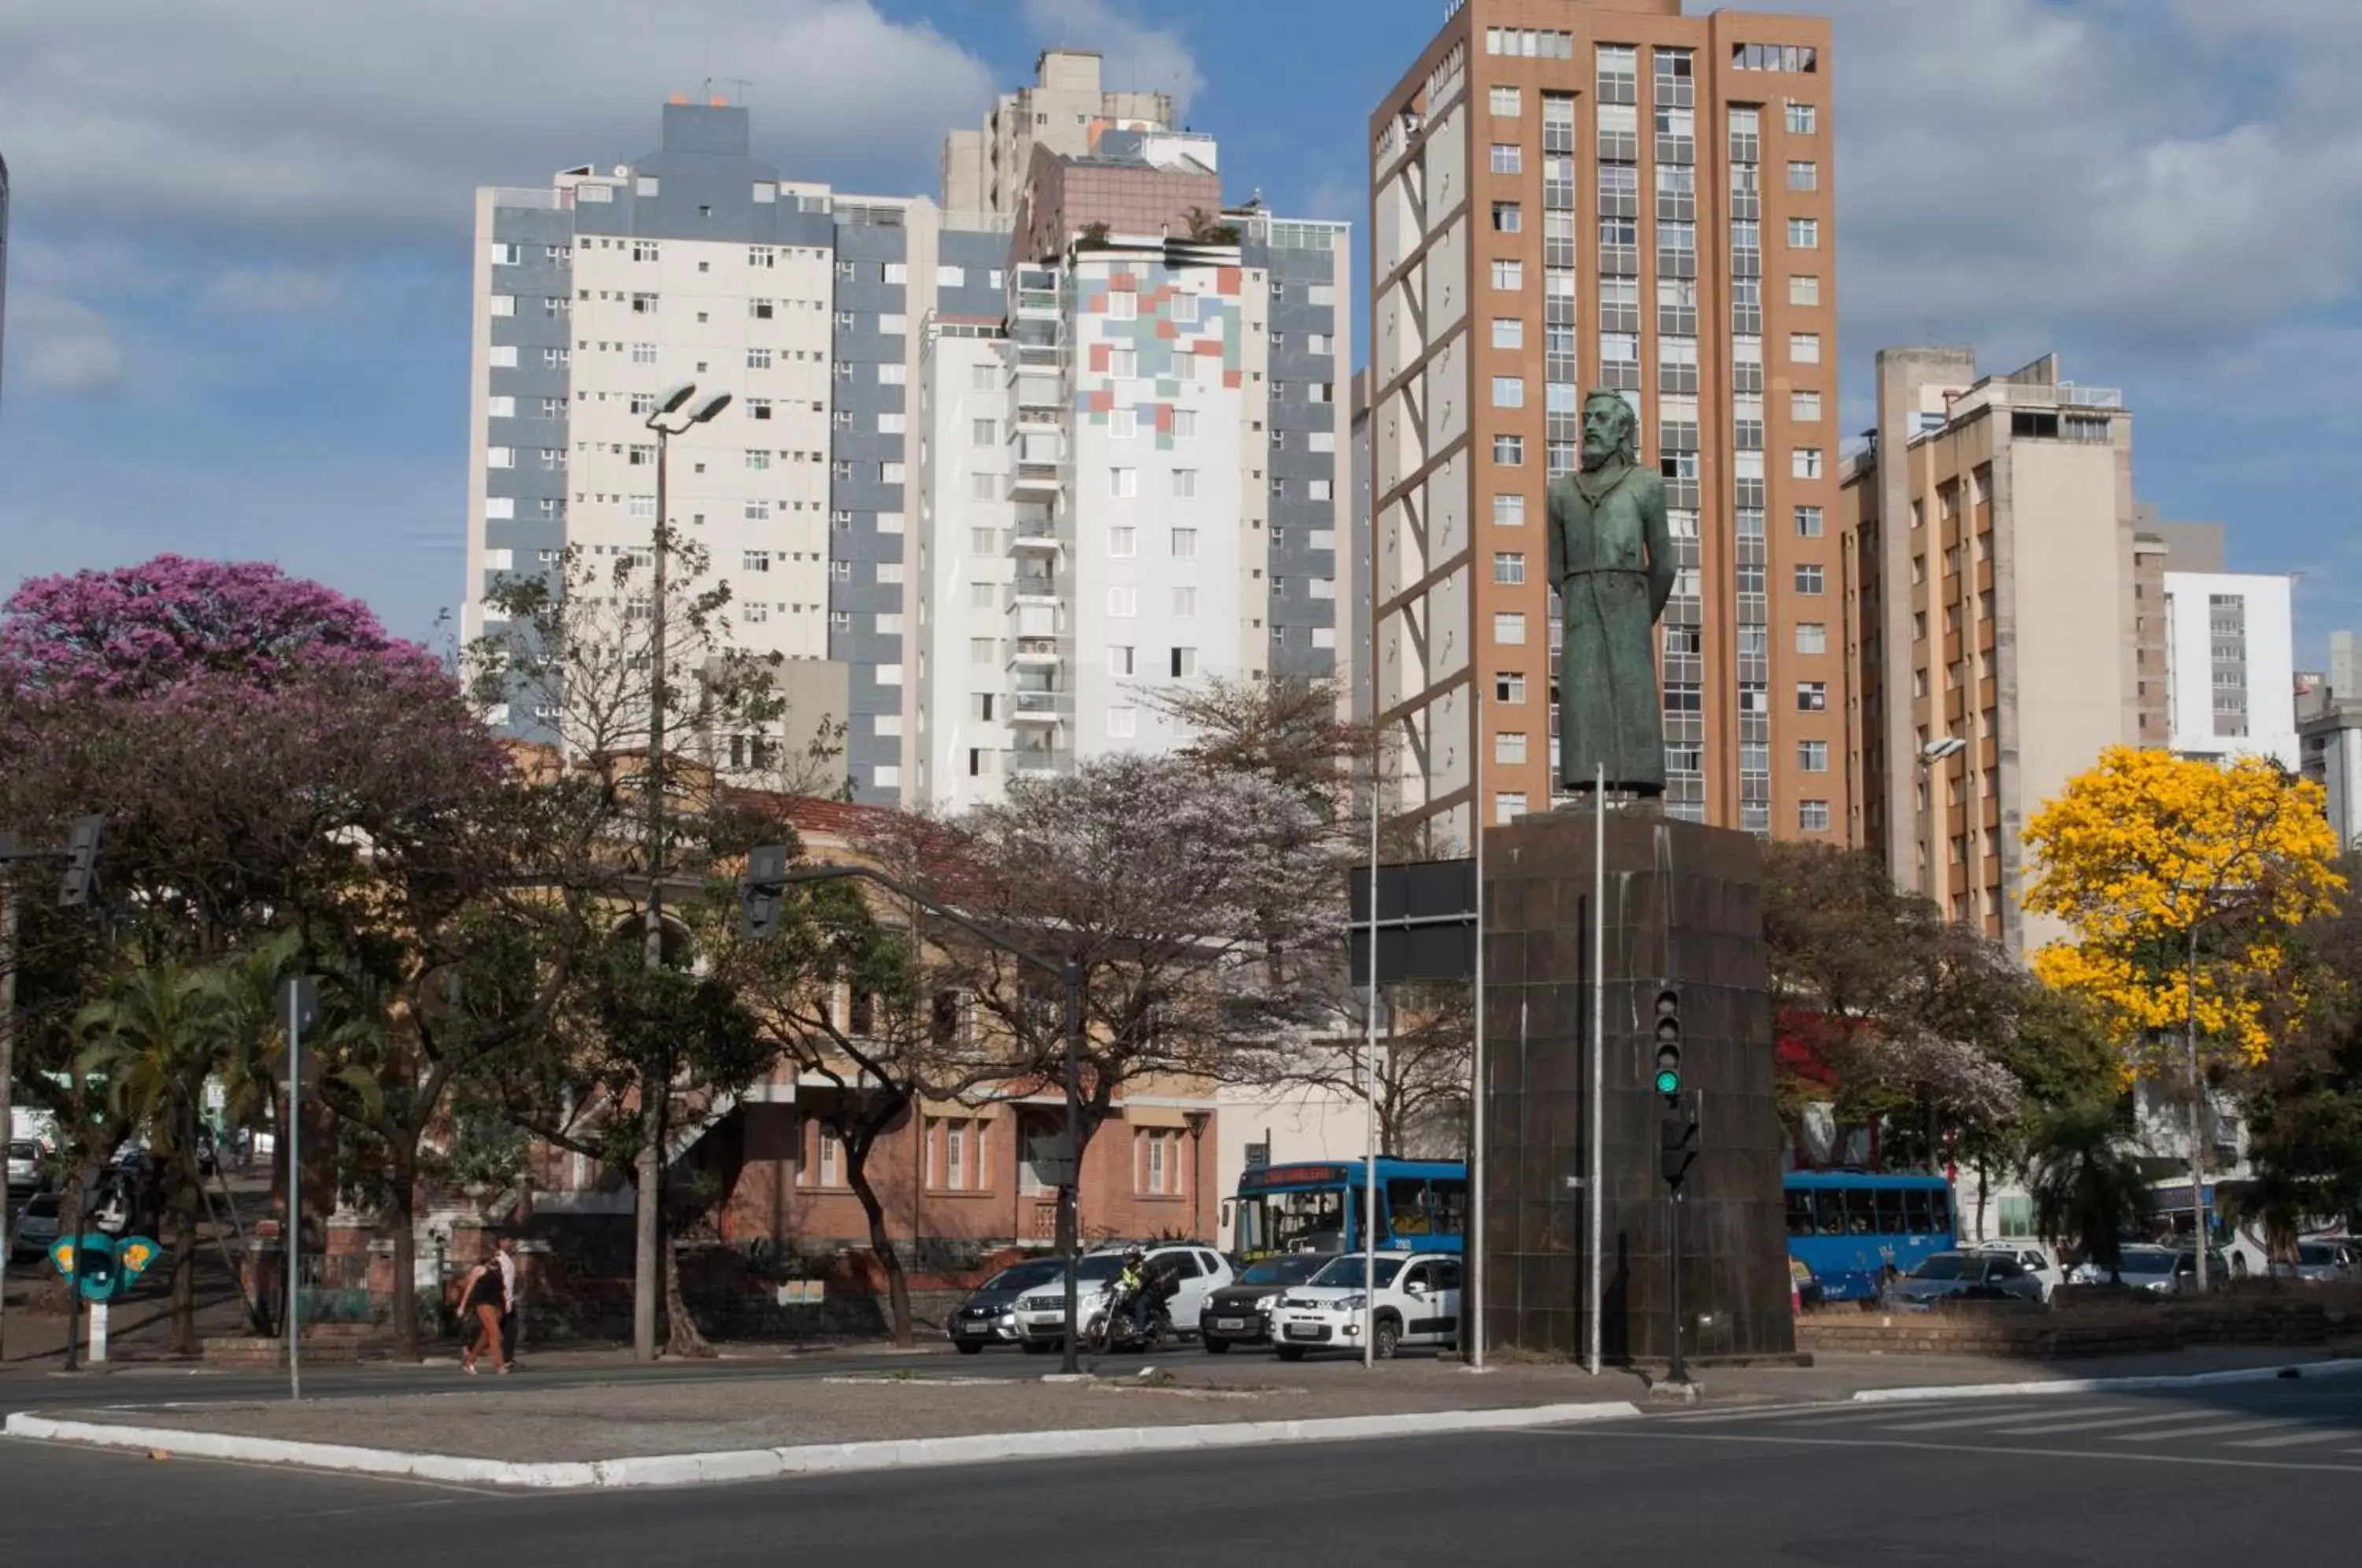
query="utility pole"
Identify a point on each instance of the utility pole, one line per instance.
(7, 1073)
(647, 1164)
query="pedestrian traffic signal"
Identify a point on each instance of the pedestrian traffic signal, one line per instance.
(1668, 1042)
(82, 862)
(1677, 1137)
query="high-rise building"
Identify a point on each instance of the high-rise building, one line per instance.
(2329, 731)
(2230, 665)
(1571, 193)
(702, 263)
(1065, 111)
(1133, 485)
(1992, 610)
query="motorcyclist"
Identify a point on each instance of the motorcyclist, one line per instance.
(1132, 1290)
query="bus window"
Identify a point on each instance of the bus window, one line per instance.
(1449, 1197)
(1919, 1217)
(1940, 1206)
(1799, 1211)
(1889, 1211)
(1407, 1210)
(1829, 1212)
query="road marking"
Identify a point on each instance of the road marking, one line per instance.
(1811, 1415)
(2048, 1427)
(1663, 1430)
(2221, 1428)
(1955, 1423)
(2291, 1440)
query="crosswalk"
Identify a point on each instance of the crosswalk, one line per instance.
(2314, 1428)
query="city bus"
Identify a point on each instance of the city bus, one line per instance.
(1849, 1226)
(1317, 1206)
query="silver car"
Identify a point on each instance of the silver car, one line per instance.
(2329, 1262)
(1965, 1276)
(2160, 1271)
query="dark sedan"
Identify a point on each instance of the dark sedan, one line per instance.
(1240, 1313)
(984, 1318)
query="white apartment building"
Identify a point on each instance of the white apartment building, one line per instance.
(2230, 662)
(1066, 110)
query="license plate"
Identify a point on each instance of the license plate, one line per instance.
(1229, 1322)
(975, 1327)
(1303, 1330)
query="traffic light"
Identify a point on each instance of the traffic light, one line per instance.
(82, 862)
(762, 891)
(1677, 1137)
(1668, 1080)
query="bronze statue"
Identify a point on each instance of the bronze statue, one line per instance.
(1611, 559)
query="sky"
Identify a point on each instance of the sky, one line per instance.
(238, 308)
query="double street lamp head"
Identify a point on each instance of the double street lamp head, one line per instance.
(673, 399)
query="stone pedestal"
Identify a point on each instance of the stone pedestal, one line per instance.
(1684, 909)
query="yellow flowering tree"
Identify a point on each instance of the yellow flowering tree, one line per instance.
(2181, 879)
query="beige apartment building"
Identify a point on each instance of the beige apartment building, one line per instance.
(1065, 111)
(1575, 194)
(2000, 628)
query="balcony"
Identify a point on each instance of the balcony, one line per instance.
(1033, 653)
(1037, 480)
(1034, 588)
(1034, 534)
(1039, 762)
(1036, 707)
(1038, 418)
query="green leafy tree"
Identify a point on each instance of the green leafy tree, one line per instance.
(2087, 1185)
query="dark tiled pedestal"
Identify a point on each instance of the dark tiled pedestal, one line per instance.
(1684, 907)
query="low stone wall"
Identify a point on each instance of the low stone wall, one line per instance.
(2119, 1327)
(336, 1344)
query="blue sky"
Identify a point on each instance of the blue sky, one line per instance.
(237, 311)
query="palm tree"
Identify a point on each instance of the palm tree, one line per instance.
(151, 1037)
(2085, 1184)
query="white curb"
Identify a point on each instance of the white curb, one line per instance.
(813, 1459)
(2111, 1384)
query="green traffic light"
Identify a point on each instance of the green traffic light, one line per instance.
(1668, 1081)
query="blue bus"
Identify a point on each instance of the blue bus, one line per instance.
(1847, 1226)
(1317, 1207)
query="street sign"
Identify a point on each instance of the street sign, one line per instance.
(1258, 1155)
(1425, 921)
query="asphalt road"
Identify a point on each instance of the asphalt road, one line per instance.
(2257, 1472)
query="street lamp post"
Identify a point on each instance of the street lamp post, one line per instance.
(648, 1163)
(1071, 977)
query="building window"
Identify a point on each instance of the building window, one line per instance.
(1808, 522)
(984, 432)
(1509, 511)
(1509, 687)
(1123, 723)
(1509, 805)
(1508, 567)
(1509, 451)
(1118, 660)
(1509, 274)
(1811, 637)
(1801, 120)
(982, 651)
(1122, 305)
(1184, 664)
(754, 560)
(1812, 756)
(1506, 101)
(1184, 600)
(1185, 484)
(1123, 542)
(1509, 745)
(1805, 407)
(1812, 697)
(1123, 484)
(1508, 391)
(1123, 603)
(1508, 157)
(757, 359)
(1805, 347)
(1812, 816)
(1159, 1163)
(1508, 627)
(1508, 218)
(1124, 423)
(1804, 289)
(1804, 233)
(1804, 463)
(1185, 421)
(1808, 580)
(830, 1158)
(1185, 544)
(1124, 364)
(984, 487)
(1804, 176)
(1508, 331)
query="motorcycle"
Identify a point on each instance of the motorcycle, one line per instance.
(1113, 1329)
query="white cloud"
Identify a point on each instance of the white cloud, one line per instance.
(1138, 58)
(275, 290)
(57, 344)
(322, 121)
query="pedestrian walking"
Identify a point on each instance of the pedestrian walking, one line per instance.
(483, 1298)
(512, 1299)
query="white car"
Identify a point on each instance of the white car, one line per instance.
(2037, 1257)
(1417, 1303)
(1042, 1312)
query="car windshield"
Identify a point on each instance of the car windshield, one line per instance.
(1346, 1271)
(1946, 1265)
(1291, 1270)
(2314, 1253)
(45, 1206)
(1025, 1275)
(2147, 1260)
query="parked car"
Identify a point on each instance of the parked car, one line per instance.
(37, 1225)
(25, 1174)
(2161, 1271)
(988, 1315)
(1042, 1310)
(1240, 1314)
(1964, 1276)
(2037, 1257)
(2330, 1262)
(1416, 1302)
